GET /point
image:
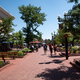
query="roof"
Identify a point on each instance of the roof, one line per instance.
(7, 14)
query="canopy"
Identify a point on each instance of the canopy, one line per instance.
(35, 42)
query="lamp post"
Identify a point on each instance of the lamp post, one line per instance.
(65, 35)
(66, 45)
(52, 36)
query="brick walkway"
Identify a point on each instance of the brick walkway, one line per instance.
(37, 66)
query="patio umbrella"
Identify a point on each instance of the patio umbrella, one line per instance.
(4, 42)
(35, 42)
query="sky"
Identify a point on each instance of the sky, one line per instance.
(52, 8)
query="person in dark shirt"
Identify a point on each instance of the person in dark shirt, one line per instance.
(45, 48)
(36, 47)
(50, 48)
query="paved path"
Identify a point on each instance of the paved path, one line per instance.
(37, 66)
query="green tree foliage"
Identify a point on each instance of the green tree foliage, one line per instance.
(71, 22)
(48, 41)
(59, 37)
(6, 28)
(76, 1)
(15, 38)
(21, 38)
(74, 21)
(18, 38)
(33, 18)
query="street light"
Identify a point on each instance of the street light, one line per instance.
(65, 35)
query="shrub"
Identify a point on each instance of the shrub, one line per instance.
(26, 50)
(20, 54)
(74, 49)
(62, 48)
(14, 51)
(3, 64)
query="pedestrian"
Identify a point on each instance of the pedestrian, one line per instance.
(32, 47)
(45, 48)
(50, 48)
(36, 47)
(55, 48)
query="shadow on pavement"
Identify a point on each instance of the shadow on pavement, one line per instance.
(61, 73)
(43, 54)
(56, 61)
(55, 56)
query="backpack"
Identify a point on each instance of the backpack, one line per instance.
(45, 47)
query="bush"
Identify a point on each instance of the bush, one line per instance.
(14, 51)
(26, 50)
(20, 54)
(74, 49)
(3, 64)
(62, 48)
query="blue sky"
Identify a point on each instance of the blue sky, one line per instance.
(52, 8)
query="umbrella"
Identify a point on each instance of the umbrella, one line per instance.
(4, 42)
(35, 42)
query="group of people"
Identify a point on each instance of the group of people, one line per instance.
(32, 47)
(50, 48)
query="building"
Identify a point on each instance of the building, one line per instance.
(4, 14)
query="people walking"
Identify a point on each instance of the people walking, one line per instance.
(55, 48)
(50, 48)
(45, 48)
(36, 47)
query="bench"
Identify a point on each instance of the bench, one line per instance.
(3, 56)
(12, 54)
(8, 55)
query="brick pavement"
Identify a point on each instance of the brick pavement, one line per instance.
(37, 66)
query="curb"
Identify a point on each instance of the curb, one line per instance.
(5, 66)
(75, 65)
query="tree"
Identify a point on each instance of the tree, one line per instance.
(6, 28)
(18, 38)
(76, 1)
(21, 38)
(59, 37)
(74, 21)
(33, 18)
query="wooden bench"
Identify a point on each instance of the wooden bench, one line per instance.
(8, 55)
(4, 56)
(12, 54)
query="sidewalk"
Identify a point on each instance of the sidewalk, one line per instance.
(37, 66)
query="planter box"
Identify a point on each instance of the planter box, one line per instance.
(63, 54)
(19, 57)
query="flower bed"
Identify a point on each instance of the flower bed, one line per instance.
(70, 54)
